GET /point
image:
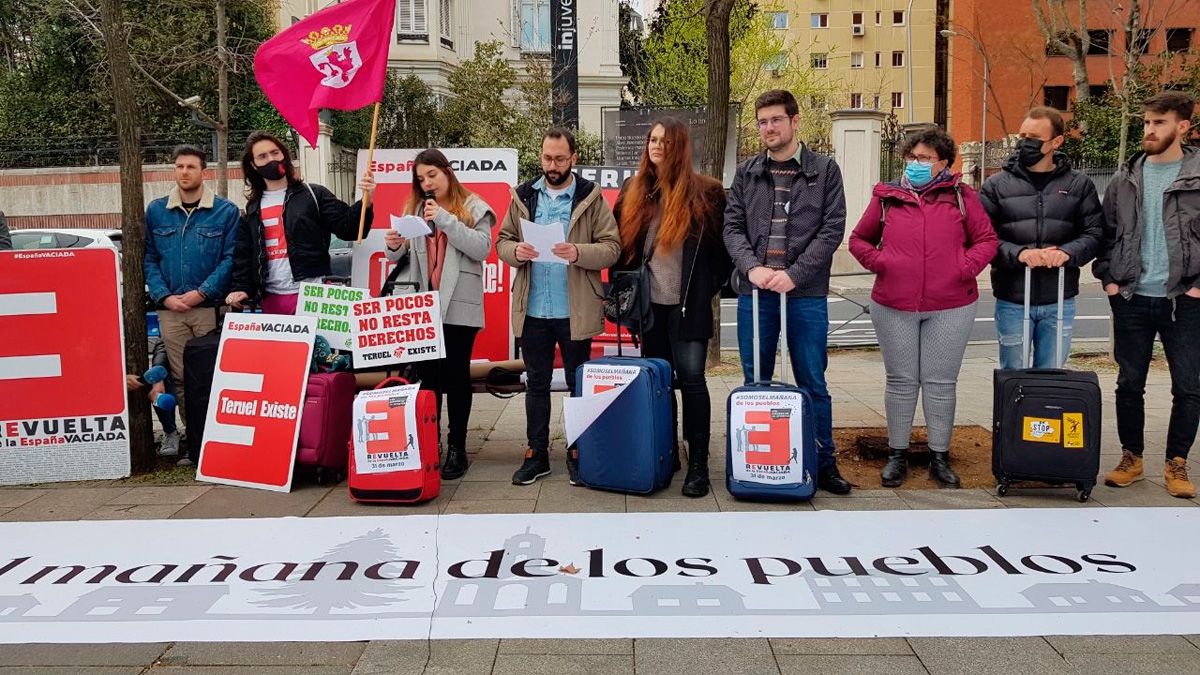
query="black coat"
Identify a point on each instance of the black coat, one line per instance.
(706, 264)
(1065, 214)
(307, 224)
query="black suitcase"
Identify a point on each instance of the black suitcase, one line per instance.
(199, 364)
(1046, 423)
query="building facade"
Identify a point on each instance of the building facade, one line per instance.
(434, 36)
(877, 54)
(1022, 71)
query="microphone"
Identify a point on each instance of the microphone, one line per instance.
(428, 196)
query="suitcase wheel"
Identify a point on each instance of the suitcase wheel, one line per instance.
(1083, 493)
(1002, 488)
(326, 476)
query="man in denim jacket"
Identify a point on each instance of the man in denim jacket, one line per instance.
(189, 256)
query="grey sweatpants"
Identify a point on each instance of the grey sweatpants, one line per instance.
(922, 351)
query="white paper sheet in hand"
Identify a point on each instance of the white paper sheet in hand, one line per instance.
(579, 412)
(544, 238)
(409, 227)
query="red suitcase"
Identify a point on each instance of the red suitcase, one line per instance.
(404, 487)
(325, 425)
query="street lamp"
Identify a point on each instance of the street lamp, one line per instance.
(947, 33)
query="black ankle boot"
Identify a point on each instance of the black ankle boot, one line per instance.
(940, 471)
(896, 469)
(456, 462)
(695, 483)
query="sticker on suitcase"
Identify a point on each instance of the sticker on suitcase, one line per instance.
(599, 378)
(1066, 431)
(385, 430)
(766, 431)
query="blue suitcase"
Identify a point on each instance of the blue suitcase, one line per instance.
(770, 447)
(629, 448)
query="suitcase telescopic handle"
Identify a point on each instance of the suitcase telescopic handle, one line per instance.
(1026, 347)
(758, 379)
(390, 381)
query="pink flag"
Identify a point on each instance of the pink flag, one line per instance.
(336, 58)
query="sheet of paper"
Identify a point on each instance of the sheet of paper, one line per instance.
(409, 227)
(579, 412)
(544, 238)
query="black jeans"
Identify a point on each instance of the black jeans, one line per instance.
(538, 338)
(1135, 323)
(451, 375)
(687, 359)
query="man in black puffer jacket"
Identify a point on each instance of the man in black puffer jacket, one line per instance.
(1047, 216)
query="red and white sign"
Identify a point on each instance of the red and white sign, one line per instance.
(63, 406)
(765, 436)
(397, 329)
(385, 430)
(489, 173)
(599, 378)
(257, 395)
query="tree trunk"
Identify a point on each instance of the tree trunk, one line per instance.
(712, 159)
(133, 231)
(1133, 48)
(222, 149)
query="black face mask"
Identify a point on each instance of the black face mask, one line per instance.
(1029, 151)
(271, 170)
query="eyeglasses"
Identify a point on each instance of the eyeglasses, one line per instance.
(268, 156)
(926, 159)
(773, 121)
(556, 161)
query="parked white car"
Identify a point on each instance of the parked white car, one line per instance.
(27, 240)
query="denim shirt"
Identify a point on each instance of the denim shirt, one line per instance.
(190, 252)
(548, 281)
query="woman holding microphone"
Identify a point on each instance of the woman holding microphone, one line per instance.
(448, 260)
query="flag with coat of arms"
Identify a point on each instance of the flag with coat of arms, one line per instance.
(336, 58)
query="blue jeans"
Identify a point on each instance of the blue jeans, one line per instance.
(1044, 324)
(167, 419)
(808, 329)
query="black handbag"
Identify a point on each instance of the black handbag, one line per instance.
(627, 302)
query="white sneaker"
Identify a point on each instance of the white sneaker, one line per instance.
(184, 461)
(170, 445)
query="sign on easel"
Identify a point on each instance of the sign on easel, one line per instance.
(257, 395)
(397, 329)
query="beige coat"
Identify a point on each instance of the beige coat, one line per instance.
(594, 232)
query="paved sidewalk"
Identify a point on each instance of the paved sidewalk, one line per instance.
(497, 443)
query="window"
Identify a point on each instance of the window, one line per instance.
(778, 63)
(446, 23)
(897, 99)
(856, 59)
(819, 61)
(897, 59)
(1098, 91)
(855, 100)
(898, 18)
(878, 59)
(1056, 97)
(1098, 41)
(779, 20)
(856, 18)
(875, 104)
(410, 21)
(820, 21)
(1139, 43)
(878, 18)
(1179, 40)
(535, 25)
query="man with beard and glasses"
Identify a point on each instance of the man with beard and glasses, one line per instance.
(556, 304)
(1149, 263)
(784, 218)
(1047, 216)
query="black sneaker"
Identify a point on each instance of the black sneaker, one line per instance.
(573, 467)
(537, 465)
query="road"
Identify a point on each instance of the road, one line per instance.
(851, 326)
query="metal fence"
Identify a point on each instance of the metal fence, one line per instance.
(36, 153)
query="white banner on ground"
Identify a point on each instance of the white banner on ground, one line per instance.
(764, 574)
(385, 430)
(331, 306)
(397, 329)
(765, 435)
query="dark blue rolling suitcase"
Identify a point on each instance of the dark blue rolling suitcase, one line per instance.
(770, 447)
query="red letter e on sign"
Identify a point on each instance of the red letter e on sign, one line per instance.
(61, 348)
(777, 437)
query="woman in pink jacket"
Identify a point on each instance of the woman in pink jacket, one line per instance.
(926, 237)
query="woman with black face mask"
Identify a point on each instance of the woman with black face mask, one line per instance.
(284, 236)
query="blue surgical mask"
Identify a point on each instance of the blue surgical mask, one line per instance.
(918, 173)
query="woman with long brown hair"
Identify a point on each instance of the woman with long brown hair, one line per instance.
(449, 260)
(670, 219)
